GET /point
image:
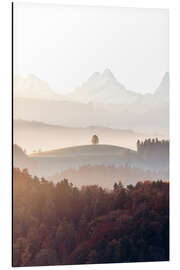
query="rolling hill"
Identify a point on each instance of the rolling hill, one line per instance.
(55, 161)
(33, 135)
(93, 164)
(85, 150)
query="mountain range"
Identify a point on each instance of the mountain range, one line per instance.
(34, 88)
(99, 88)
(103, 88)
(100, 101)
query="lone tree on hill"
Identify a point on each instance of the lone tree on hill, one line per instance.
(95, 139)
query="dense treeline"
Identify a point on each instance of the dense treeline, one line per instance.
(61, 224)
(148, 143)
(153, 149)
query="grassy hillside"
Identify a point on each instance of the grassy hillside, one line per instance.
(35, 135)
(55, 161)
(85, 150)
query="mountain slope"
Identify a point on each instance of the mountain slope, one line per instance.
(103, 88)
(34, 88)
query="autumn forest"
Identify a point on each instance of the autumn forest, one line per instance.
(57, 224)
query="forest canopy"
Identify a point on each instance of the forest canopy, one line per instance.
(61, 224)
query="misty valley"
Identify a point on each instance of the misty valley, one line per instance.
(99, 164)
(52, 132)
(90, 173)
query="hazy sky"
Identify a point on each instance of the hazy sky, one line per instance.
(64, 45)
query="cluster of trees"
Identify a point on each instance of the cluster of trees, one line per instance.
(153, 149)
(61, 224)
(152, 144)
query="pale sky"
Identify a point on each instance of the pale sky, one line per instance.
(64, 45)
